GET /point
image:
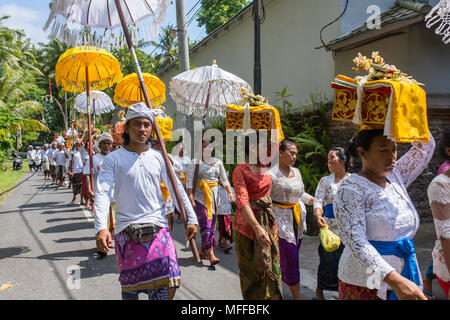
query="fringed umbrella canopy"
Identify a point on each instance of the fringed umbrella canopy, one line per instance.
(69, 18)
(102, 102)
(439, 16)
(190, 91)
(128, 91)
(103, 69)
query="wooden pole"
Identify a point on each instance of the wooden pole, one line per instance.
(91, 160)
(167, 162)
(200, 153)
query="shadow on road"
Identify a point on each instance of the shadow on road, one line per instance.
(13, 251)
(68, 227)
(66, 240)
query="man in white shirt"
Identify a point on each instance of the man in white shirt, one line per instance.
(31, 157)
(45, 162)
(181, 173)
(60, 157)
(51, 151)
(76, 170)
(38, 159)
(134, 173)
(105, 146)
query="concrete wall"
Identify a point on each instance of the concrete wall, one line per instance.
(289, 37)
(356, 13)
(418, 52)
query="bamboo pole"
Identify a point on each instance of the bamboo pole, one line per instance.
(170, 171)
(91, 160)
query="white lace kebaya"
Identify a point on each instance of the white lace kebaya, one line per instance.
(211, 173)
(325, 192)
(439, 197)
(288, 190)
(367, 212)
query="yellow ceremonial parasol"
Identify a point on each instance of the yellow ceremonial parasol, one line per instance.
(84, 69)
(128, 91)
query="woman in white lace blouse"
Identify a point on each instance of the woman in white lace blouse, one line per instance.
(439, 197)
(206, 199)
(377, 220)
(327, 272)
(288, 194)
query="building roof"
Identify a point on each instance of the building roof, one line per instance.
(404, 13)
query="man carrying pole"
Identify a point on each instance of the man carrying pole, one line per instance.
(143, 242)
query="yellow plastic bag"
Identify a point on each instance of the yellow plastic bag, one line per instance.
(330, 241)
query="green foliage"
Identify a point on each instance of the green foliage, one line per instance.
(215, 13)
(20, 109)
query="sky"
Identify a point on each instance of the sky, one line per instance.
(31, 15)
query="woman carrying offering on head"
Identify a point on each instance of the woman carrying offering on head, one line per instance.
(377, 220)
(255, 235)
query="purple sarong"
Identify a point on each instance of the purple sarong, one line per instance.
(148, 265)
(289, 260)
(207, 227)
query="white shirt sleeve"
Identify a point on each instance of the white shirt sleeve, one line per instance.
(223, 175)
(319, 197)
(411, 165)
(104, 194)
(191, 216)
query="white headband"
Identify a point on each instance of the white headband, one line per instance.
(140, 110)
(105, 136)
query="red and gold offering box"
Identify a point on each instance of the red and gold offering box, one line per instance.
(374, 106)
(261, 117)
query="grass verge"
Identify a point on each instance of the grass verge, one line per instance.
(9, 179)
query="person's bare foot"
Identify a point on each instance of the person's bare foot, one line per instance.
(74, 201)
(428, 287)
(319, 294)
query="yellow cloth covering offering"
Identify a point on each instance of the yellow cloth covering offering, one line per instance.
(206, 187)
(409, 121)
(408, 115)
(165, 125)
(262, 117)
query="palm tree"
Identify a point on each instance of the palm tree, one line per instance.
(17, 83)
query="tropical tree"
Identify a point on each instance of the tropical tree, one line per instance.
(18, 71)
(215, 13)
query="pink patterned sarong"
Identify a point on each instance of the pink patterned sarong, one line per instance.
(148, 265)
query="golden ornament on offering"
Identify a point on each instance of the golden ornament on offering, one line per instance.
(385, 97)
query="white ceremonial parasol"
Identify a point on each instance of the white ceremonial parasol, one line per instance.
(69, 18)
(206, 91)
(440, 14)
(102, 103)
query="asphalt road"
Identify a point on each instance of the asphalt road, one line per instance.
(47, 248)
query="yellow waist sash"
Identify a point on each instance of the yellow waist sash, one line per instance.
(206, 188)
(287, 205)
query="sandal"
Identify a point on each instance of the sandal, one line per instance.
(204, 256)
(214, 262)
(222, 243)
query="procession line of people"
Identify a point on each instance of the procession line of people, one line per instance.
(370, 211)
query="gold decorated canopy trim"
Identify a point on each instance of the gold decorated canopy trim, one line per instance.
(103, 69)
(128, 91)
